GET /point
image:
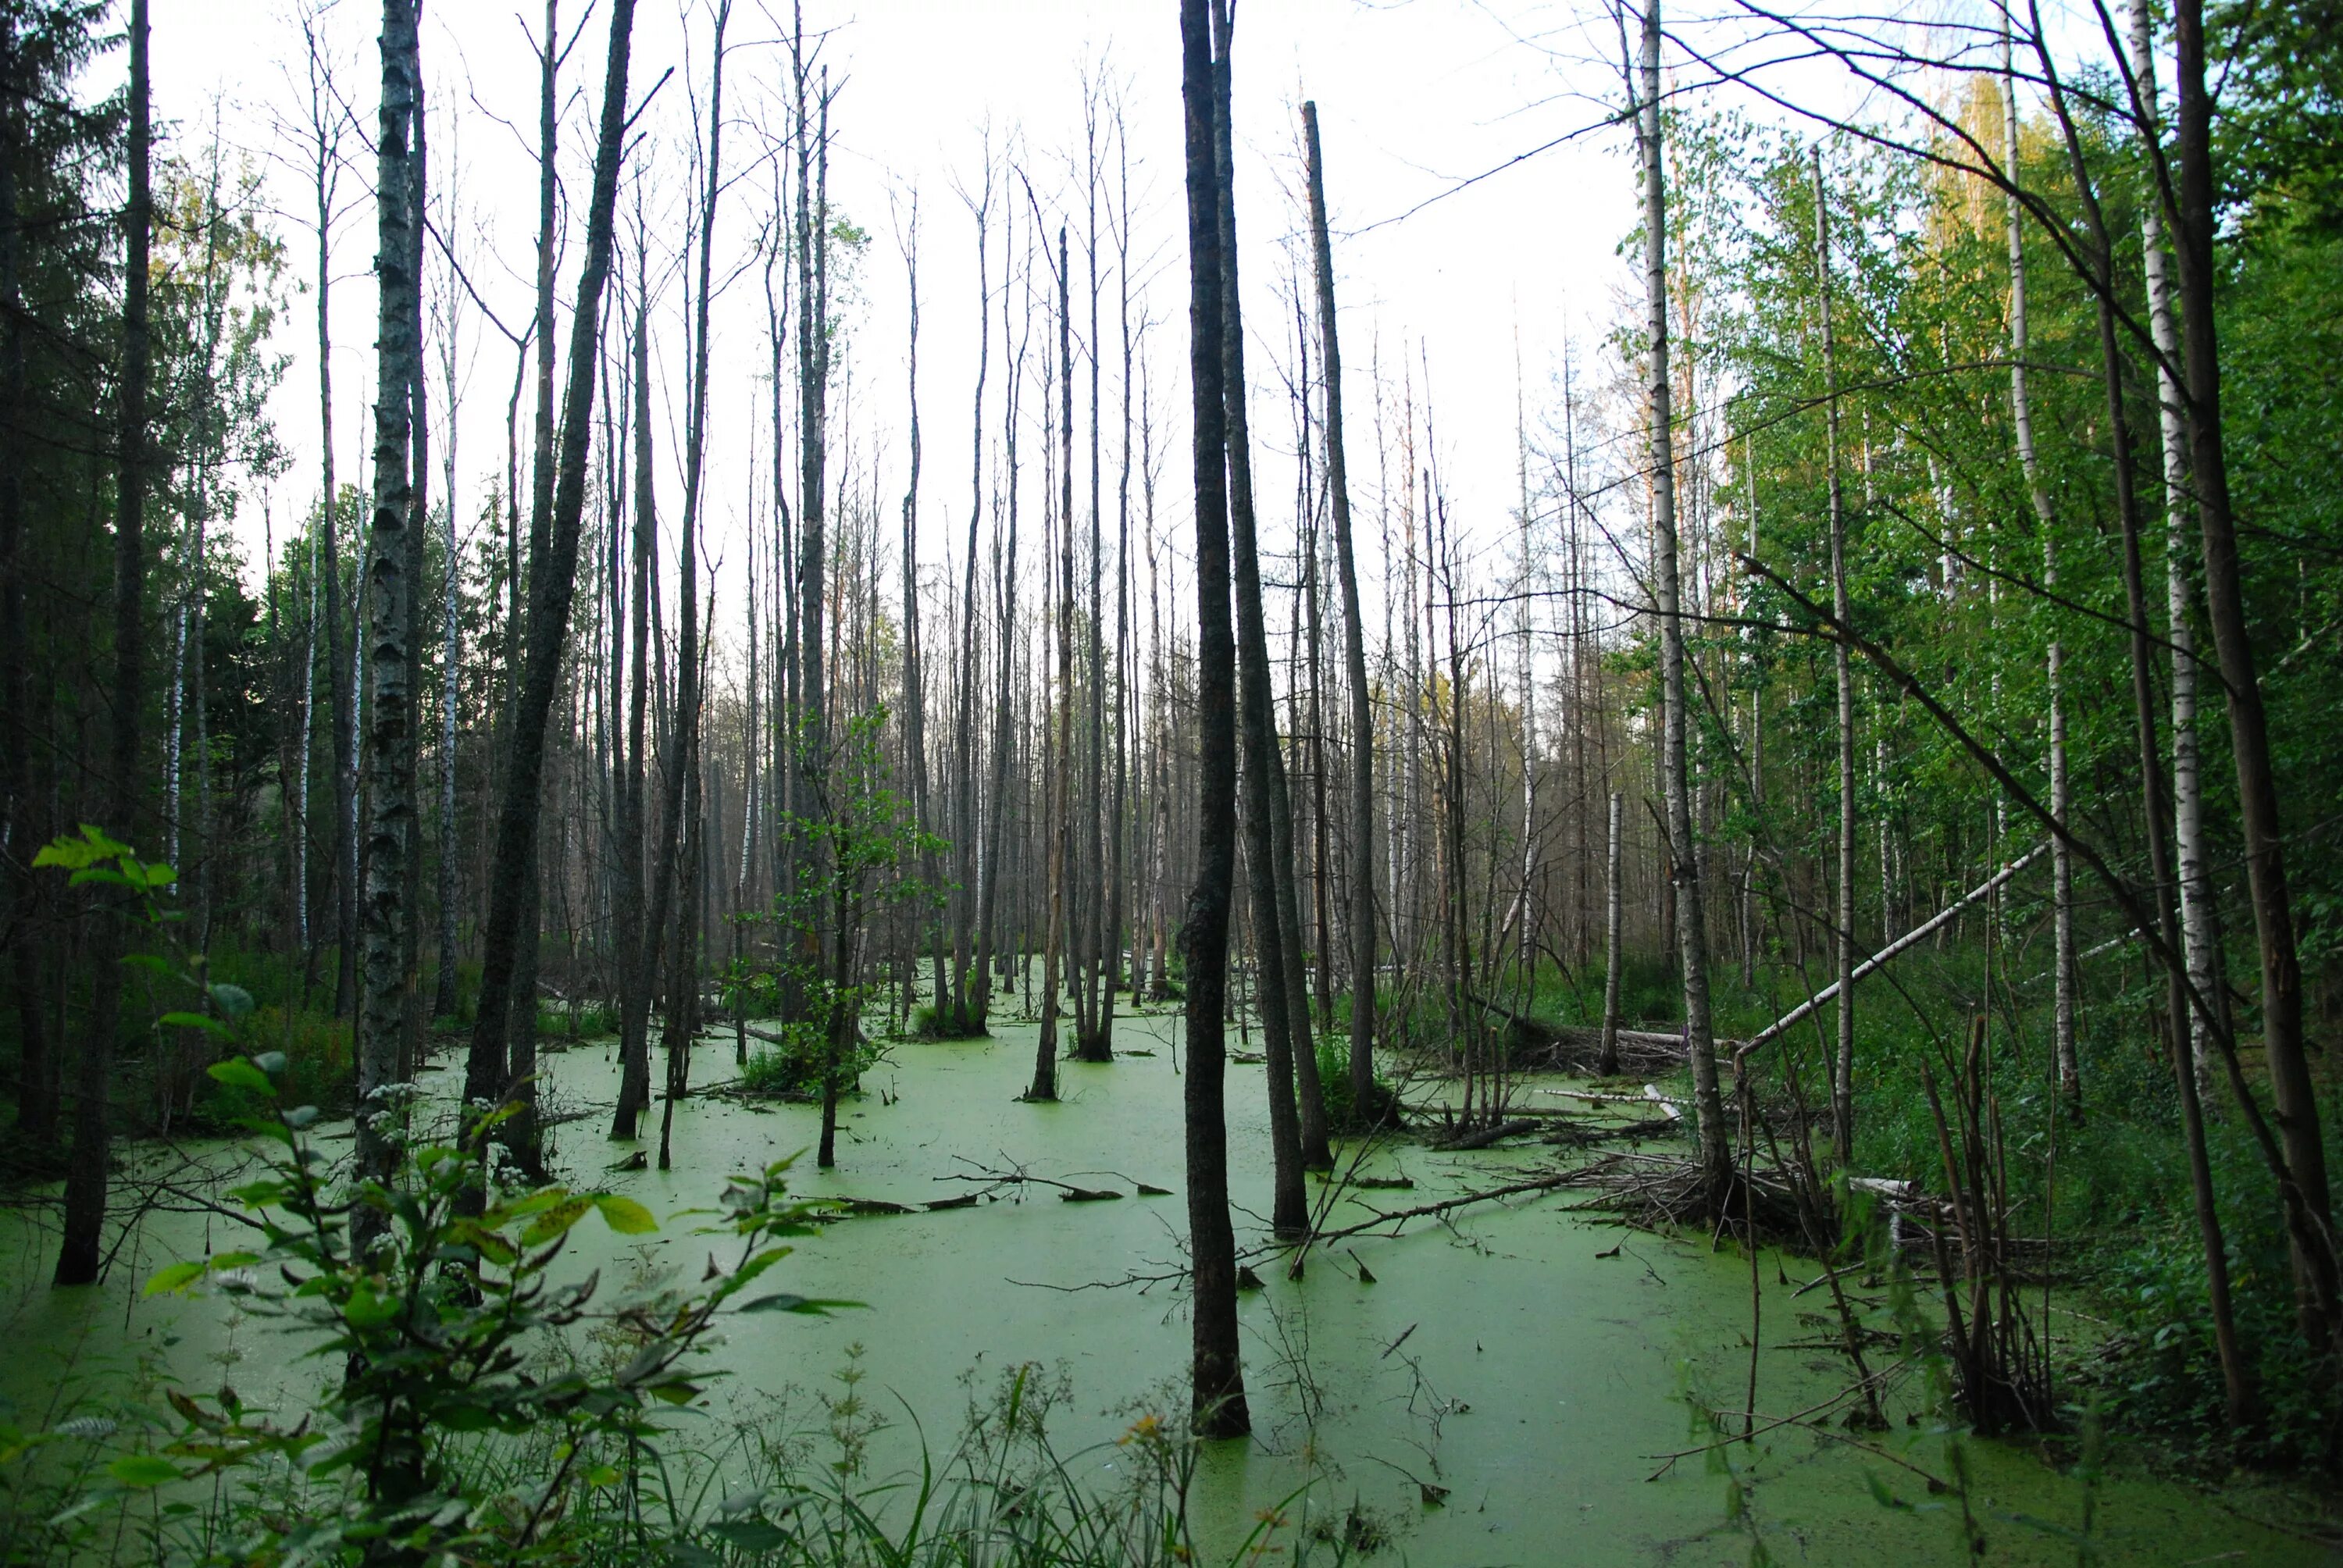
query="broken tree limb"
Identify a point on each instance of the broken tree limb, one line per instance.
(1540, 1184)
(1910, 939)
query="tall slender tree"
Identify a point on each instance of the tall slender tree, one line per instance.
(1715, 1156)
(80, 1256)
(1355, 649)
(1216, 1379)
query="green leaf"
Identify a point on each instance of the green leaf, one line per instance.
(367, 1309)
(176, 1278)
(676, 1392)
(143, 1469)
(204, 1022)
(241, 1075)
(556, 1221)
(158, 875)
(91, 847)
(624, 1215)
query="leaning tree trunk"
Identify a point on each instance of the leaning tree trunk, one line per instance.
(81, 1255)
(1716, 1157)
(553, 574)
(1216, 1388)
(1256, 722)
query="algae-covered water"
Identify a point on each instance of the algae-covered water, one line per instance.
(1533, 1362)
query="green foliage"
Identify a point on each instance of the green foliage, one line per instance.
(442, 1304)
(856, 851)
(794, 1070)
(1335, 1082)
(577, 1021)
(934, 1021)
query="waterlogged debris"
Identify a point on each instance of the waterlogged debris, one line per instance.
(1366, 1275)
(965, 1200)
(1246, 1279)
(1147, 1192)
(1088, 1194)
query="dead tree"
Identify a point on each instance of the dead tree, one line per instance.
(553, 574)
(1256, 723)
(1354, 653)
(1216, 1387)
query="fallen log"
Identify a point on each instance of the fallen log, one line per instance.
(1910, 939)
(1481, 1137)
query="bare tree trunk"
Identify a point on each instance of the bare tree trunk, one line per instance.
(1117, 834)
(636, 945)
(80, 1256)
(326, 123)
(390, 783)
(1355, 655)
(2062, 863)
(444, 1000)
(553, 574)
(1692, 929)
(684, 802)
(2200, 918)
(36, 1093)
(964, 1012)
(1091, 1037)
(811, 741)
(1256, 721)
(1004, 726)
(1843, 937)
(2235, 1376)
(1607, 1063)
(915, 700)
(1059, 824)
(1217, 1396)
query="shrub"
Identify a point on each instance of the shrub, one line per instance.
(1335, 1079)
(792, 1071)
(931, 1021)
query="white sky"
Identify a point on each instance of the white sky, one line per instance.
(1414, 95)
(1411, 98)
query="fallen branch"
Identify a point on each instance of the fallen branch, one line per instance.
(1540, 1184)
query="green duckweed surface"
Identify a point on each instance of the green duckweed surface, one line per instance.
(1531, 1361)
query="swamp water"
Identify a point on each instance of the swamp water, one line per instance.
(1530, 1358)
